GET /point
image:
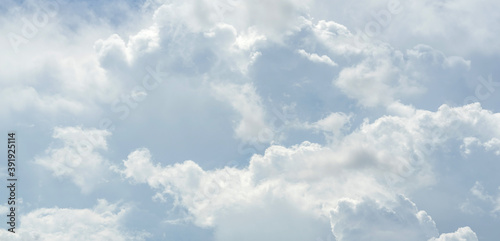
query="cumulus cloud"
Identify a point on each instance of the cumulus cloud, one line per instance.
(385, 75)
(332, 126)
(341, 181)
(100, 223)
(404, 23)
(378, 73)
(112, 52)
(366, 220)
(316, 58)
(354, 185)
(78, 159)
(53, 71)
(333, 122)
(245, 100)
(462, 234)
(489, 145)
(138, 167)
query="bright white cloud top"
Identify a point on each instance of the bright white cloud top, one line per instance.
(253, 120)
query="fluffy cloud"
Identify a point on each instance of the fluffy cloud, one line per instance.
(247, 54)
(138, 166)
(227, 33)
(245, 100)
(29, 98)
(316, 58)
(341, 181)
(419, 22)
(100, 223)
(366, 220)
(272, 19)
(78, 158)
(462, 234)
(53, 71)
(481, 201)
(333, 125)
(386, 75)
(375, 73)
(490, 145)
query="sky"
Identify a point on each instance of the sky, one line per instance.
(224, 120)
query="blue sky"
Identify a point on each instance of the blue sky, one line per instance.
(253, 120)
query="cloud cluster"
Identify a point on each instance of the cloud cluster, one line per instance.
(103, 222)
(351, 183)
(464, 233)
(369, 81)
(366, 220)
(78, 158)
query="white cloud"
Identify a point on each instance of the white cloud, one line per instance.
(252, 126)
(276, 220)
(101, 223)
(249, 38)
(333, 126)
(462, 234)
(138, 167)
(367, 220)
(419, 22)
(316, 58)
(377, 161)
(481, 200)
(273, 19)
(385, 75)
(376, 73)
(472, 28)
(336, 37)
(55, 71)
(490, 145)
(112, 52)
(478, 191)
(333, 122)
(84, 62)
(236, 49)
(28, 98)
(146, 40)
(78, 158)
(426, 55)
